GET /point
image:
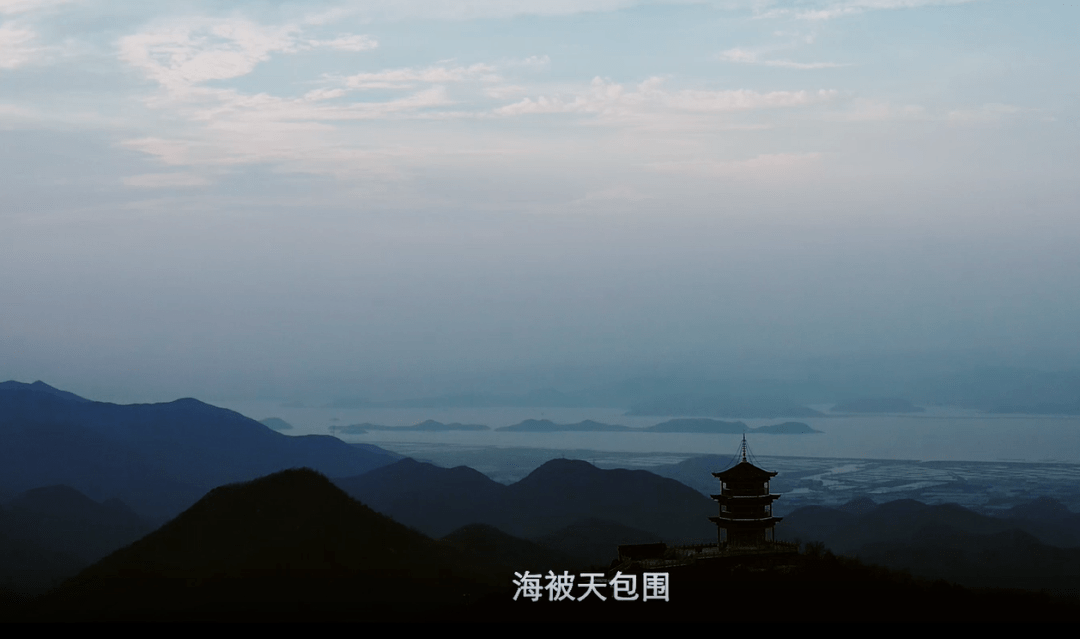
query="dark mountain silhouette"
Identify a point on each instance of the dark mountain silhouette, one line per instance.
(946, 541)
(877, 405)
(62, 518)
(595, 540)
(563, 491)
(49, 534)
(158, 458)
(558, 494)
(1043, 509)
(287, 546)
(43, 388)
(434, 500)
(41, 454)
(511, 554)
(291, 546)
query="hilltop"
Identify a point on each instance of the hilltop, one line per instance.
(287, 546)
(158, 458)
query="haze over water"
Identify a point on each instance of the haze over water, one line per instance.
(940, 434)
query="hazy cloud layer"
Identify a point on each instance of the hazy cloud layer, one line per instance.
(272, 194)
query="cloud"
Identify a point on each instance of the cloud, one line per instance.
(742, 99)
(15, 49)
(613, 100)
(294, 135)
(309, 131)
(829, 9)
(165, 180)
(504, 91)
(405, 78)
(390, 10)
(749, 57)
(10, 7)
(347, 43)
(178, 56)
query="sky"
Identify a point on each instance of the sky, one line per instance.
(263, 198)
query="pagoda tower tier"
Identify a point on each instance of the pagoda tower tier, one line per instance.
(745, 517)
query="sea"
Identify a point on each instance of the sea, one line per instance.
(946, 454)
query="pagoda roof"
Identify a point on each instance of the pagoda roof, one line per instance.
(732, 522)
(744, 470)
(747, 500)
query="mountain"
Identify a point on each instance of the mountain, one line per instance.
(947, 541)
(699, 425)
(276, 423)
(563, 491)
(787, 428)
(43, 388)
(159, 458)
(434, 500)
(547, 426)
(287, 546)
(425, 426)
(595, 541)
(66, 520)
(558, 494)
(491, 545)
(48, 534)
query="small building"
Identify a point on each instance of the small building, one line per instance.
(745, 517)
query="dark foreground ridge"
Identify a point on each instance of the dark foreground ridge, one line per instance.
(292, 547)
(814, 587)
(283, 547)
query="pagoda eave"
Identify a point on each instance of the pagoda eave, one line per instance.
(726, 522)
(748, 500)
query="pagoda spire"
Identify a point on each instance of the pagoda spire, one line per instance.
(743, 448)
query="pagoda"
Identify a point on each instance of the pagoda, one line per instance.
(745, 517)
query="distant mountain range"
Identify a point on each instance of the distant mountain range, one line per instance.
(158, 458)
(711, 426)
(426, 426)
